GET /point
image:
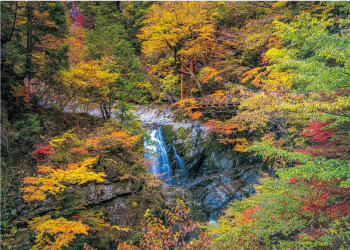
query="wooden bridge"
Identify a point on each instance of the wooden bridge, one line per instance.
(214, 101)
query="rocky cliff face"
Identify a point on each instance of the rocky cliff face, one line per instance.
(218, 175)
(92, 193)
(112, 195)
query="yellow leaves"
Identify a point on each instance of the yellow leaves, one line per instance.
(61, 231)
(186, 102)
(121, 136)
(268, 81)
(241, 144)
(277, 82)
(218, 93)
(208, 73)
(186, 27)
(57, 141)
(76, 39)
(89, 79)
(125, 229)
(56, 179)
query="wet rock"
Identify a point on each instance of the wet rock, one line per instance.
(97, 193)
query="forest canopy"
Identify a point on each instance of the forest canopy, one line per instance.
(267, 78)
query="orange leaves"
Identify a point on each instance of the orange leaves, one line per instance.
(189, 105)
(227, 127)
(120, 138)
(78, 151)
(128, 177)
(268, 81)
(159, 235)
(44, 169)
(56, 179)
(24, 91)
(196, 115)
(61, 231)
(247, 215)
(251, 73)
(91, 142)
(76, 44)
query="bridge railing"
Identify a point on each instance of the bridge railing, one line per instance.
(217, 101)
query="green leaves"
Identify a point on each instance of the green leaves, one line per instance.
(318, 58)
(308, 166)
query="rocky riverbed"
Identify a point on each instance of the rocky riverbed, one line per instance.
(216, 174)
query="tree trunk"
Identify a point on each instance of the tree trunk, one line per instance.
(103, 115)
(28, 66)
(194, 79)
(106, 111)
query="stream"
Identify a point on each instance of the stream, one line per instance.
(191, 159)
(187, 156)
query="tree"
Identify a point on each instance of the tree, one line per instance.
(31, 33)
(132, 85)
(13, 135)
(300, 120)
(157, 236)
(174, 30)
(88, 82)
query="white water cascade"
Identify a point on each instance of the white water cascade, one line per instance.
(181, 173)
(156, 151)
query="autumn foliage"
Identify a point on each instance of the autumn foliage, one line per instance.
(160, 236)
(288, 63)
(54, 180)
(42, 152)
(55, 234)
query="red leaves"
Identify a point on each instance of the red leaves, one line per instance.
(293, 180)
(84, 21)
(42, 152)
(76, 217)
(317, 132)
(327, 142)
(326, 198)
(302, 151)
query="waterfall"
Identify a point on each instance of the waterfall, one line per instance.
(181, 171)
(157, 153)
